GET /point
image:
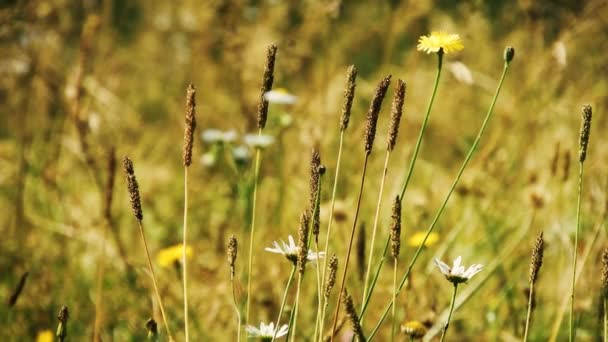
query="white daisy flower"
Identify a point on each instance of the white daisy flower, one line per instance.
(280, 96)
(266, 331)
(290, 250)
(240, 153)
(258, 141)
(457, 273)
(208, 159)
(212, 135)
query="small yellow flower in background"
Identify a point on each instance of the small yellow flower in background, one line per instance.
(440, 40)
(413, 329)
(416, 239)
(168, 256)
(45, 336)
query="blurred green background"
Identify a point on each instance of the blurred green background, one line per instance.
(79, 79)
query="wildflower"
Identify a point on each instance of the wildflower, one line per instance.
(290, 250)
(416, 239)
(213, 136)
(260, 141)
(240, 153)
(266, 332)
(280, 96)
(457, 274)
(45, 336)
(285, 120)
(413, 329)
(440, 41)
(170, 255)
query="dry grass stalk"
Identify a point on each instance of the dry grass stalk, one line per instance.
(267, 81)
(349, 95)
(374, 112)
(396, 112)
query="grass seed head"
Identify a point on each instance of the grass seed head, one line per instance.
(537, 258)
(349, 95)
(62, 327)
(585, 130)
(331, 278)
(190, 124)
(374, 111)
(232, 253)
(133, 188)
(351, 313)
(396, 111)
(152, 328)
(396, 228)
(303, 241)
(267, 81)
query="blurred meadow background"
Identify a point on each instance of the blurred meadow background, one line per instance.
(82, 81)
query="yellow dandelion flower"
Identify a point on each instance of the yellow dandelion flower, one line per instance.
(440, 40)
(413, 329)
(168, 256)
(416, 239)
(45, 336)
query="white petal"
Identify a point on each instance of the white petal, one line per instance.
(291, 241)
(283, 331)
(457, 263)
(445, 269)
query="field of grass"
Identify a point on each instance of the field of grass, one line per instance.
(85, 83)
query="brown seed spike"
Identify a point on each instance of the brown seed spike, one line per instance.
(109, 189)
(303, 241)
(605, 272)
(190, 124)
(331, 278)
(12, 300)
(315, 162)
(266, 85)
(585, 130)
(133, 188)
(396, 111)
(349, 95)
(351, 313)
(232, 254)
(374, 111)
(537, 258)
(396, 228)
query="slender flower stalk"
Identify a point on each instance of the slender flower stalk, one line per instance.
(396, 111)
(349, 95)
(133, 188)
(370, 133)
(535, 264)
(301, 265)
(232, 254)
(583, 143)
(267, 81)
(284, 300)
(508, 57)
(447, 323)
(188, 142)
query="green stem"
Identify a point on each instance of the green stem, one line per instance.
(350, 245)
(184, 262)
(574, 254)
(291, 276)
(331, 209)
(410, 171)
(295, 318)
(376, 217)
(529, 315)
(447, 198)
(319, 294)
(447, 324)
(252, 230)
(236, 309)
(394, 298)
